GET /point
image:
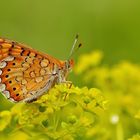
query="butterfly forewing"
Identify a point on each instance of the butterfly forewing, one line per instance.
(24, 73)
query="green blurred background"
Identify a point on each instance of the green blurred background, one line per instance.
(50, 26)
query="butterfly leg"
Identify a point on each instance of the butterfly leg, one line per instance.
(69, 84)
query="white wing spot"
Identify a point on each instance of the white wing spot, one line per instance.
(12, 100)
(2, 87)
(7, 94)
(2, 64)
(9, 58)
(0, 72)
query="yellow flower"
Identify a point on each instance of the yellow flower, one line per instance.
(88, 60)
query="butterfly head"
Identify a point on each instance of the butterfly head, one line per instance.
(68, 65)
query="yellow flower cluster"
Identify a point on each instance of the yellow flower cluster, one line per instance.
(120, 84)
(63, 113)
(88, 60)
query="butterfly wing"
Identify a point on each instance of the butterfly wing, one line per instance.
(24, 73)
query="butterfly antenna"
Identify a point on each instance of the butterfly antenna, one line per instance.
(73, 46)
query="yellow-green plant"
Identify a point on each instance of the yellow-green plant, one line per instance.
(61, 114)
(120, 83)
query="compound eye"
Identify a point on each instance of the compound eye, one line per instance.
(67, 65)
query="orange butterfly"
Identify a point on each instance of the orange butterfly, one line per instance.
(25, 74)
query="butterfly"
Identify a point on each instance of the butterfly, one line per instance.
(25, 73)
